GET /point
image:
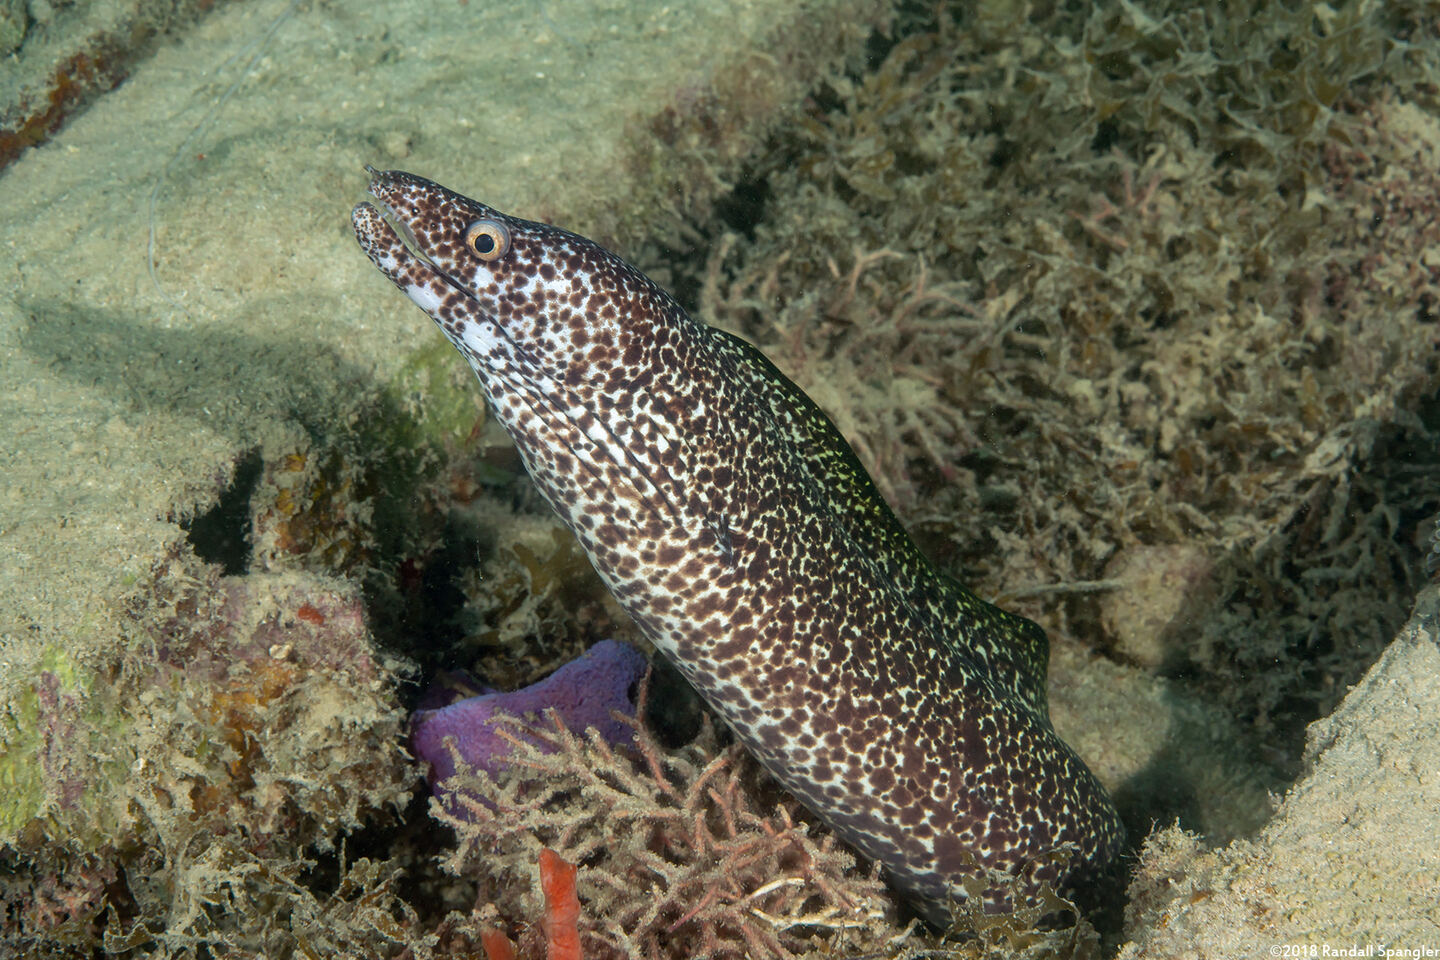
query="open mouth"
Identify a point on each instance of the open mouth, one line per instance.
(407, 242)
(402, 229)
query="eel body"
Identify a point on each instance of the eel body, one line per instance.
(739, 531)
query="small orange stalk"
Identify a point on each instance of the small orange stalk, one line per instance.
(497, 945)
(562, 907)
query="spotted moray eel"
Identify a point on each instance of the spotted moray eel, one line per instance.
(739, 531)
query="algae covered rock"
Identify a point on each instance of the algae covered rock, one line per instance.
(250, 722)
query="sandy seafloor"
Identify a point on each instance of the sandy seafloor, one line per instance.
(125, 401)
(129, 394)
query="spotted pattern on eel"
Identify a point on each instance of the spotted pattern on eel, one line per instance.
(737, 528)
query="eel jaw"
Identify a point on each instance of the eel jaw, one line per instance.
(404, 263)
(382, 243)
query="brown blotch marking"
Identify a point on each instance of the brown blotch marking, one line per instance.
(881, 779)
(738, 644)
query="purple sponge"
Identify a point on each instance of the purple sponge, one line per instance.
(584, 691)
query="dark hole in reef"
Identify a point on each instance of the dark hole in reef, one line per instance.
(1427, 312)
(743, 208)
(1004, 153)
(683, 266)
(672, 707)
(982, 460)
(878, 46)
(824, 99)
(416, 605)
(1107, 135)
(222, 534)
(413, 840)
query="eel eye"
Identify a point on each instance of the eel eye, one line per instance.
(487, 239)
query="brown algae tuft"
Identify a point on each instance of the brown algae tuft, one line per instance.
(1115, 280)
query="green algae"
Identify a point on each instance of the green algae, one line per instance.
(59, 764)
(439, 397)
(22, 783)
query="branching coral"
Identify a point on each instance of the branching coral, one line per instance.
(675, 857)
